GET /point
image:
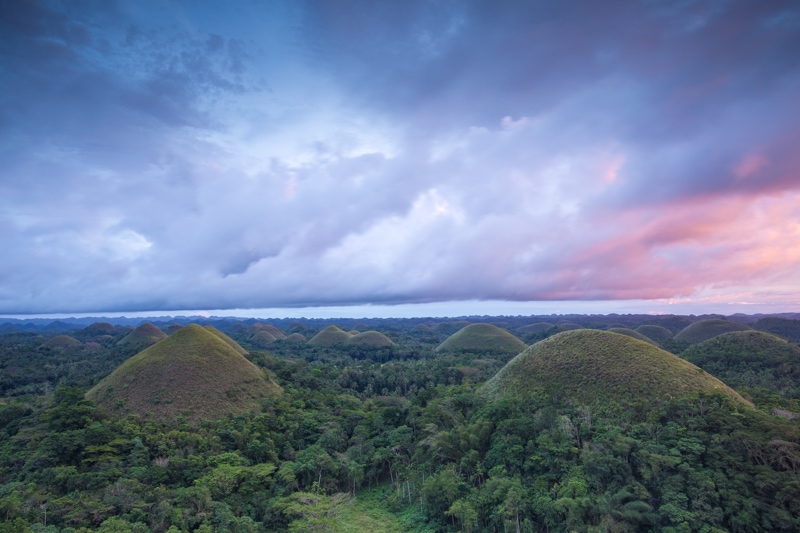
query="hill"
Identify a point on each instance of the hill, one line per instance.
(194, 373)
(61, 342)
(330, 336)
(656, 333)
(592, 366)
(262, 339)
(537, 327)
(782, 327)
(227, 340)
(708, 329)
(373, 339)
(482, 337)
(753, 359)
(144, 335)
(100, 328)
(632, 333)
(296, 337)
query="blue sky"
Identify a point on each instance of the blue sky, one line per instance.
(176, 155)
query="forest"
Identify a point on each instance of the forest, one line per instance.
(597, 423)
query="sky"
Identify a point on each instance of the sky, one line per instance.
(359, 157)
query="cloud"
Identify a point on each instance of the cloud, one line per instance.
(356, 152)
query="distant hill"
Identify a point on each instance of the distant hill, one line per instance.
(633, 333)
(538, 327)
(482, 337)
(657, 333)
(100, 328)
(371, 339)
(754, 359)
(448, 328)
(708, 329)
(143, 336)
(61, 342)
(782, 327)
(588, 366)
(296, 337)
(262, 339)
(329, 336)
(194, 373)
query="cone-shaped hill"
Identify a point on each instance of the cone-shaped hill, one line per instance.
(194, 373)
(61, 342)
(227, 340)
(100, 328)
(750, 359)
(330, 336)
(782, 327)
(708, 329)
(632, 333)
(145, 335)
(371, 339)
(657, 333)
(590, 366)
(482, 337)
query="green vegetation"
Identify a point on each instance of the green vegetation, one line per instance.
(656, 333)
(783, 327)
(226, 339)
(755, 361)
(143, 336)
(708, 329)
(538, 327)
(62, 342)
(370, 338)
(482, 337)
(633, 333)
(585, 431)
(592, 366)
(194, 374)
(330, 336)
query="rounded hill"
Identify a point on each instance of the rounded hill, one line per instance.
(632, 333)
(482, 337)
(371, 339)
(193, 373)
(330, 336)
(752, 359)
(144, 335)
(708, 329)
(593, 366)
(782, 327)
(657, 333)
(61, 342)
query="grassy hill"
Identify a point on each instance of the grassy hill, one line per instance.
(656, 333)
(538, 327)
(61, 342)
(633, 333)
(782, 327)
(590, 366)
(330, 336)
(227, 340)
(708, 329)
(262, 339)
(296, 337)
(482, 337)
(373, 339)
(448, 328)
(751, 359)
(100, 328)
(145, 335)
(194, 373)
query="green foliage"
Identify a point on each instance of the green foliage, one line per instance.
(482, 337)
(707, 329)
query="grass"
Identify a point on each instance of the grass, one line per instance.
(145, 335)
(263, 338)
(330, 336)
(482, 337)
(751, 359)
(538, 327)
(783, 327)
(227, 340)
(632, 333)
(708, 329)
(193, 371)
(656, 333)
(593, 366)
(373, 339)
(62, 341)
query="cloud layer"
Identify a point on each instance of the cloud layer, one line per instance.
(188, 156)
